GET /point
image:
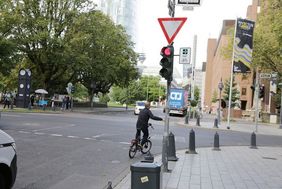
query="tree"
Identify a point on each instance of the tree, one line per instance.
(268, 37)
(235, 93)
(66, 40)
(106, 54)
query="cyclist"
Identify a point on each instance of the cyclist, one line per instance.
(142, 122)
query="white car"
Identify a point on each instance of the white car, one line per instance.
(8, 161)
(140, 105)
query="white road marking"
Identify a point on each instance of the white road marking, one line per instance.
(72, 136)
(49, 128)
(37, 133)
(56, 135)
(97, 136)
(125, 143)
(24, 132)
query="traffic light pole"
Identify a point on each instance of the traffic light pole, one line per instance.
(166, 131)
(256, 100)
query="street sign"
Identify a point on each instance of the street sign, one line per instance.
(188, 2)
(265, 75)
(184, 55)
(171, 27)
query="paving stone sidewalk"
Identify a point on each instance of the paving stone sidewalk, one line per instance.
(232, 167)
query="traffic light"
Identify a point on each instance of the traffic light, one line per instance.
(167, 62)
(72, 89)
(261, 91)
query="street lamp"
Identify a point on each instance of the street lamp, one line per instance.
(220, 87)
(280, 126)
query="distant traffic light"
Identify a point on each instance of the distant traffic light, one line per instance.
(72, 89)
(167, 62)
(261, 91)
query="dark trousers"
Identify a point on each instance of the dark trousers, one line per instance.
(145, 132)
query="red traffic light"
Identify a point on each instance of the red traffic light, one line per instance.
(166, 51)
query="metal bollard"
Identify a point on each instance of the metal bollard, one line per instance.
(253, 141)
(192, 148)
(198, 121)
(187, 119)
(216, 142)
(109, 186)
(215, 125)
(171, 155)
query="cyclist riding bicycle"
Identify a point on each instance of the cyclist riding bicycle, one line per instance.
(142, 123)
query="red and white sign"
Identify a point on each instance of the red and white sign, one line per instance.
(171, 27)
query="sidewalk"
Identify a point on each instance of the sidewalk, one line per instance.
(243, 126)
(232, 167)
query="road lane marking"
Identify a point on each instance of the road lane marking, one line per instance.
(56, 135)
(37, 133)
(26, 132)
(72, 136)
(49, 128)
(127, 143)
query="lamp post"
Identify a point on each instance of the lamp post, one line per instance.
(280, 126)
(220, 87)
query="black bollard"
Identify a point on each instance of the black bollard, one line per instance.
(187, 119)
(171, 155)
(198, 121)
(192, 148)
(215, 125)
(216, 142)
(109, 186)
(253, 141)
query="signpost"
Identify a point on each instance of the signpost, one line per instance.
(184, 55)
(171, 27)
(265, 75)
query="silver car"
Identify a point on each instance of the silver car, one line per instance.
(8, 161)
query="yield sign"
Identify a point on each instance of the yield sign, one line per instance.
(171, 27)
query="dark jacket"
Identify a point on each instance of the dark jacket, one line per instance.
(144, 117)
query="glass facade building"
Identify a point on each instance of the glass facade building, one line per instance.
(122, 12)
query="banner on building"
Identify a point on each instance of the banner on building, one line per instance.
(243, 46)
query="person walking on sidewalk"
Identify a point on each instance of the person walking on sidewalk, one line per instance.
(142, 122)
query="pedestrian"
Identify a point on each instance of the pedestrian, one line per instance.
(7, 99)
(32, 100)
(142, 122)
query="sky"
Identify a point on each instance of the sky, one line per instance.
(205, 21)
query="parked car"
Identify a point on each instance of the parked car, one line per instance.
(140, 105)
(8, 161)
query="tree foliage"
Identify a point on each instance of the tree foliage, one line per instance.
(137, 90)
(235, 92)
(268, 37)
(65, 41)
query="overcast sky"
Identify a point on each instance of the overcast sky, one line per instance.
(204, 21)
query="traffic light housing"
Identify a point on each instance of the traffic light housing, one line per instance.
(72, 89)
(166, 62)
(261, 91)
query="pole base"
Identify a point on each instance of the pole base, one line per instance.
(253, 147)
(191, 152)
(216, 149)
(172, 158)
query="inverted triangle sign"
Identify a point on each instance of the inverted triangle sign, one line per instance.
(171, 27)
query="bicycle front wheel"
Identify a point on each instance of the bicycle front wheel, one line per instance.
(132, 151)
(146, 147)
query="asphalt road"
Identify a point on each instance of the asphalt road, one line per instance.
(72, 150)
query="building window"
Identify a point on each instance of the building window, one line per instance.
(244, 91)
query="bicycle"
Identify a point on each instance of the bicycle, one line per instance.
(136, 146)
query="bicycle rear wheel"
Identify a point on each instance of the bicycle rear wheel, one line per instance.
(132, 151)
(146, 147)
